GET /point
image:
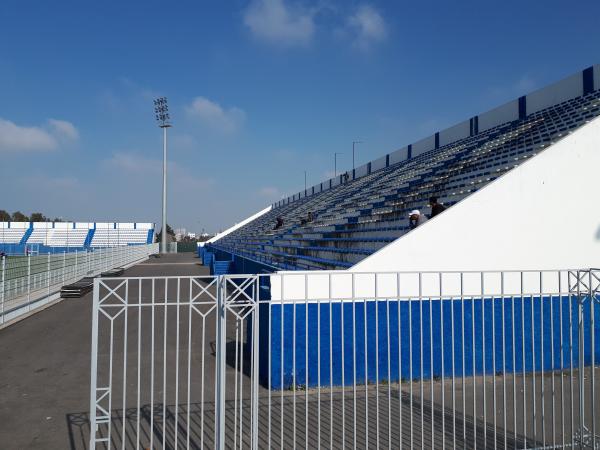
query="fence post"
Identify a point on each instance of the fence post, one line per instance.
(3, 282)
(29, 281)
(64, 265)
(94, 367)
(48, 274)
(220, 361)
(76, 272)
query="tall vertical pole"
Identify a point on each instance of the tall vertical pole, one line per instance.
(163, 243)
(353, 154)
(335, 165)
(305, 180)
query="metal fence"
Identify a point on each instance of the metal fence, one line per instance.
(28, 282)
(342, 360)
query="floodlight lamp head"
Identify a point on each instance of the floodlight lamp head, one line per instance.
(161, 110)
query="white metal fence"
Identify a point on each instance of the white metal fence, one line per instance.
(28, 282)
(235, 362)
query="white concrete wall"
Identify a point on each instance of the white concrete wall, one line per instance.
(343, 285)
(424, 145)
(41, 225)
(497, 116)
(15, 225)
(459, 131)
(558, 92)
(143, 225)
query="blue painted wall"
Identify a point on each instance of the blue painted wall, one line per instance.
(373, 354)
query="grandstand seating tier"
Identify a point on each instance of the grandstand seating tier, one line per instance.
(354, 219)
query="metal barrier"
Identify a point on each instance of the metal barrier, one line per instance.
(336, 360)
(28, 282)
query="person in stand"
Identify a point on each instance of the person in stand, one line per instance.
(415, 218)
(278, 223)
(309, 218)
(436, 207)
(346, 177)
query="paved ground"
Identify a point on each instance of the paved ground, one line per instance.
(45, 366)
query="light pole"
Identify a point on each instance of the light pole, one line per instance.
(161, 110)
(305, 180)
(335, 163)
(353, 144)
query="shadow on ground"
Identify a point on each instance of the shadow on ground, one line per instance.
(286, 421)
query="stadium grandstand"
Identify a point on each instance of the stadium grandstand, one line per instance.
(341, 221)
(44, 237)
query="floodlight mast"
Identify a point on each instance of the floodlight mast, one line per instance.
(161, 110)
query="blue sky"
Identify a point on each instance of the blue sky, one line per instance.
(259, 92)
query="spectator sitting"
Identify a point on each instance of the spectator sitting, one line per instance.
(436, 207)
(278, 223)
(415, 218)
(309, 218)
(346, 177)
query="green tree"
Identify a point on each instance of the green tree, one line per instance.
(4, 216)
(18, 216)
(170, 233)
(38, 217)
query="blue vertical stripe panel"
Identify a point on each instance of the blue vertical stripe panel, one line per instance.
(471, 129)
(369, 168)
(409, 154)
(522, 107)
(588, 80)
(401, 321)
(387, 160)
(437, 140)
(476, 125)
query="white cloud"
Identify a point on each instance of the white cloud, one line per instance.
(367, 26)
(63, 129)
(23, 138)
(276, 22)
(215, 116)
(17, 138)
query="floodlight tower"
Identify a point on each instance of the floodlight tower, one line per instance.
(161, 110)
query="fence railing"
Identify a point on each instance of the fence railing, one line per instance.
(255, 361)
(29, 281)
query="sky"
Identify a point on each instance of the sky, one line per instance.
(259, 92)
